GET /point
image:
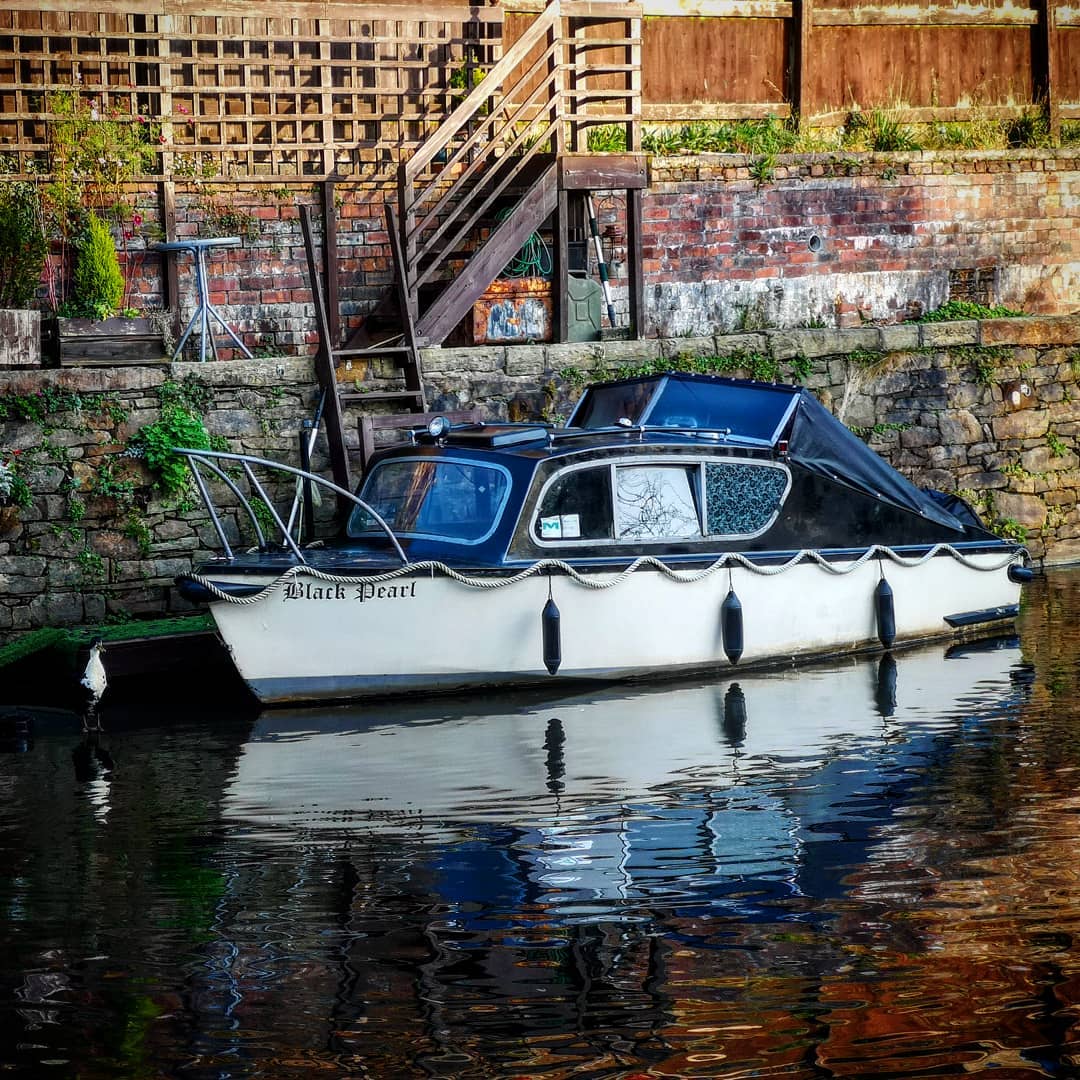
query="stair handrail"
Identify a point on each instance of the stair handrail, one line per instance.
(479, 95)
(514, 112)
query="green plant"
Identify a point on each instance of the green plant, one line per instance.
(1030, 129)
(1011, 529)
(91, 565)
(879, 429)
(107, 484)
(96, 149)
(763, 169)
(179, 425)
(879, 129)
(14, 491)
(135, 528)
(264, 516)
(467, 75)
(574, 376)
(866, 357)
(751, 317)
(97, 280)
(23, 243)
(223, 219)
(1056, 444)
(155, 442)
(801, 367)
(984, 359)
(606, 139)
(76, 507)
(960, 310)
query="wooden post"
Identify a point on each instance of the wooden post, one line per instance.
(324, 368)
(560, 270)
(633, 258)
(20, 337)
(170, 286)
(633, 84)
(557, 69)
(330, 262)
(799, 93)
(1045, 64)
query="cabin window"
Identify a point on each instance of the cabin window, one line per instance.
(439, 499)
(740, 499)
(655, 502)
(577, 506)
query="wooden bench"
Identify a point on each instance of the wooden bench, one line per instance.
(371, 424)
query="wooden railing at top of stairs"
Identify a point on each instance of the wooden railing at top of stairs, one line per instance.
(535, 105)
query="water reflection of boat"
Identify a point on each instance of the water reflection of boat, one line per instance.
(730, 792)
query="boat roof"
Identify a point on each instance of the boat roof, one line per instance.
(783, 417)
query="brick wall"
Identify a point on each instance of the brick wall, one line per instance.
(845, 241)
(816, 240)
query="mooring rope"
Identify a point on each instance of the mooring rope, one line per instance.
(589, 581)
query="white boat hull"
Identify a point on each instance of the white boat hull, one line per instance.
(317, 639)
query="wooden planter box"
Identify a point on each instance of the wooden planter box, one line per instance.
(20, 338)
(108, 342)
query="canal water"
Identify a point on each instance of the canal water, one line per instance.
(863, 869)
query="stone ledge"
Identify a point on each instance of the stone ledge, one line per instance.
(1033, 330)
(946, 334)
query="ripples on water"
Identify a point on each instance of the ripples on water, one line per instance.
(867, 869)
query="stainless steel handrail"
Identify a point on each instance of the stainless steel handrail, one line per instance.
(208, 458)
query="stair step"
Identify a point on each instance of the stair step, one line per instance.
(371, 350)
(382, 395)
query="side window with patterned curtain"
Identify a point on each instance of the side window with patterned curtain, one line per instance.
(742, 499)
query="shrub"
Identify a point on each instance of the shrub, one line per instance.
(22, 242)
(99, 284)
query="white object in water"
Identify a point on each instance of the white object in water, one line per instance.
(94, 678)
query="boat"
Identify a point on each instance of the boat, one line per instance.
(677, 523)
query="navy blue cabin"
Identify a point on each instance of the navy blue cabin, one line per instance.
(689, 465)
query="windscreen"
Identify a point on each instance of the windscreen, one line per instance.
(458, 501)
(750, 413)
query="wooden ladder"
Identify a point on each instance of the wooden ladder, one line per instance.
(400, 347)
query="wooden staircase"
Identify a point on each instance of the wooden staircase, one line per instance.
(509, 145)
(495, 172)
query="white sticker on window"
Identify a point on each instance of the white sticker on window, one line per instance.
(571, 526)
(551, 528)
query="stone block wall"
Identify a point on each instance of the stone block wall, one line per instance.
(990, 409)
(731, 243)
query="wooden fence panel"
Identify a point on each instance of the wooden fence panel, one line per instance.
(264, 90)
(1067, 70)
(713, 68)
(917, 67)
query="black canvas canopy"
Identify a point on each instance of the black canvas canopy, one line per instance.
(759, 415)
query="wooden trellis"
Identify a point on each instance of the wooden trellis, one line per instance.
(266, 94)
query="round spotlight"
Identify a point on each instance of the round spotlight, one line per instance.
(438, 426)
